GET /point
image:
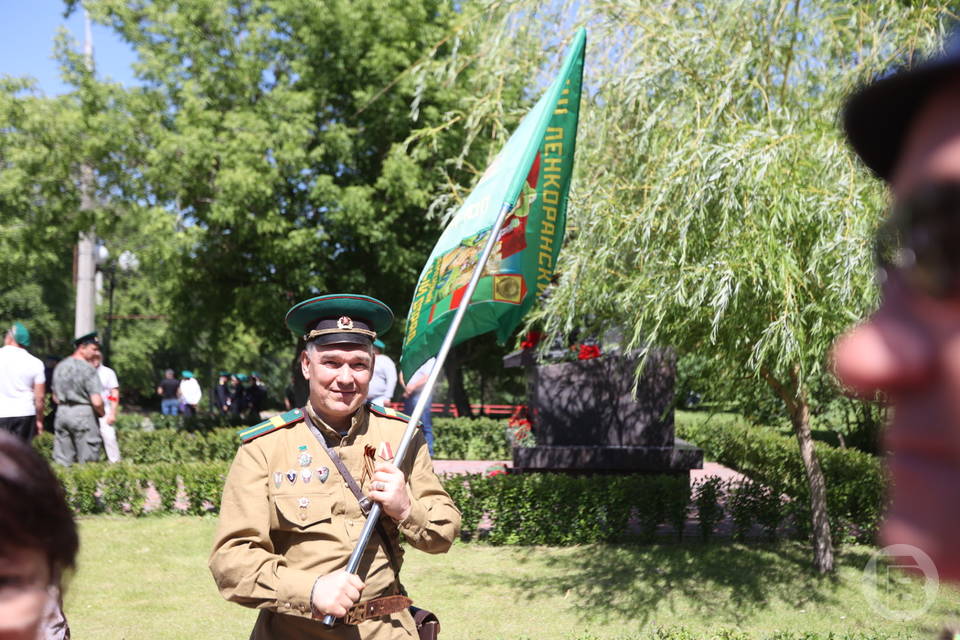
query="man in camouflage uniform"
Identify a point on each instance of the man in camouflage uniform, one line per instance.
(76, 390)
(289, 520)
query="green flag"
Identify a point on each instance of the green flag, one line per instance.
(531, 177)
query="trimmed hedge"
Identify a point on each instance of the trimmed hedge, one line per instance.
(471, 439)
(131, 489)
(855, 480)
(165, 445)
(509, 509)
(457, 439)
(560, 509)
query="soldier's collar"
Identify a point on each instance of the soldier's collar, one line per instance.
(357, 422)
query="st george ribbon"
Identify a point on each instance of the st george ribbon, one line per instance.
(499, 251)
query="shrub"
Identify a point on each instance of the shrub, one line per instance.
(523, 509)
(124, 488)
(167, 445)
(560, 509)
(855, 480)
(750, 503)
(707, 493)
(457, 439)
(471, 439)
(200, 422)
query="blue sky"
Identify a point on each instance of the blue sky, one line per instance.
(27, 30)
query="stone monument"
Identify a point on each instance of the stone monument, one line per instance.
(587, 418)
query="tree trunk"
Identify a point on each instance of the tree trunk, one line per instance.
(799, 409)
(454, 374)
(822, 543)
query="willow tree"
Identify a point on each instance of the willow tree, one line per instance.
(716, 207)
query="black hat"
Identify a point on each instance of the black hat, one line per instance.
(86, 338)
(340, 318)
(878, 116)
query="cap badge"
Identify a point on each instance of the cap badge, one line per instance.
(345, 322)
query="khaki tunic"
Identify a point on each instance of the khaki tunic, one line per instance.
(270, 549)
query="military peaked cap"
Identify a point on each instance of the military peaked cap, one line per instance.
(340, 318)
(86, 338)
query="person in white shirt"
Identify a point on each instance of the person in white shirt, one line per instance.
(111, 399)
(190, 393)
(21, 385)
(384, 379)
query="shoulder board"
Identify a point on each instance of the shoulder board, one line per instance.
(276, 422)
(386, 412)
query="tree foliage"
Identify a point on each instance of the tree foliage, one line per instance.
(716, 207)
(273, 140)
(273, 150)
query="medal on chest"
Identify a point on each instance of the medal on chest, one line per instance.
(304, 458)
(322, 474)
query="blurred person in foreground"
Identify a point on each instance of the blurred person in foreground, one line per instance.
(111, 399)
(77, 392)
(22, 385)
(38, 543)
(289, 518)
(906, 128)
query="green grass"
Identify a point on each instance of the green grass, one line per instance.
(147, 578)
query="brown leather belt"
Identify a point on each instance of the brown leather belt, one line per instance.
(375, 608)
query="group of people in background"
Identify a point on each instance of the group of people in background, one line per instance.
(179, 397)
(235, 394)
(85, 391)
(239, 394)
(86, 394)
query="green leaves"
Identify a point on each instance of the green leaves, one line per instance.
(716, 205)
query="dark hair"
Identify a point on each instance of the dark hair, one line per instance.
(33, 509)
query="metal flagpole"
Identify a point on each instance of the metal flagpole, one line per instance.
(374, 515)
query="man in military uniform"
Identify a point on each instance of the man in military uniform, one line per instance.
(289, 519)
(76, 390)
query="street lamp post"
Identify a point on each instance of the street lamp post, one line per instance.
(127, 261)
